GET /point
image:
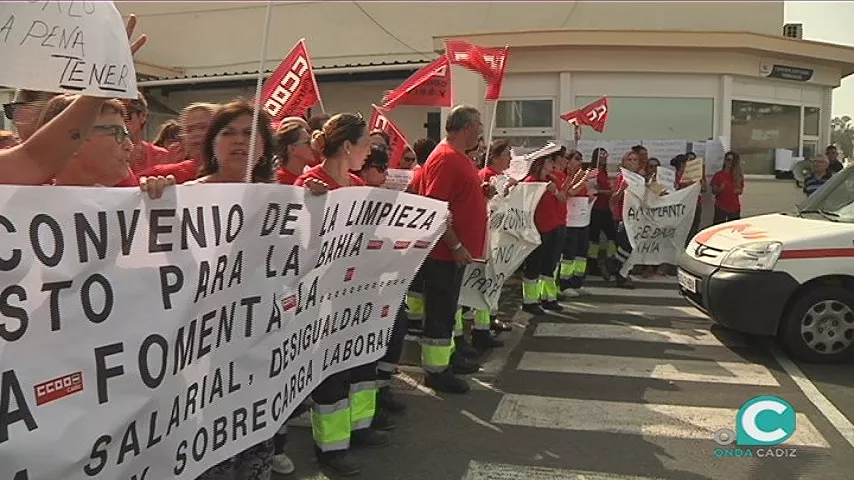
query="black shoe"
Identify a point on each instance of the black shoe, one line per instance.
(446, 382)
(498, 326)
(339, 463)
(382, 421)
(463, 348)
(592, 267)
(533, 309)
(624, 282)
(552, 306)
(483, 340)
(369, 437)
(388, 401)
(463, 366)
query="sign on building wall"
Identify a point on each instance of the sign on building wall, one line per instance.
(786, 72)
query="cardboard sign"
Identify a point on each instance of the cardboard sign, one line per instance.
(694, 170)
(66, 47)
(397, 179)
(153, 339)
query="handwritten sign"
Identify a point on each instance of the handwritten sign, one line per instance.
(694, 170)
(397, 179)
(657, 227)
(666, 177)
(154, 339)
(578, 211)
(512, 237)
(636, 183)
(71, 47)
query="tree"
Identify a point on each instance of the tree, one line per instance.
(842, 135)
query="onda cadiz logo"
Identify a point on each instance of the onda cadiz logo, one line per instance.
(763, 421)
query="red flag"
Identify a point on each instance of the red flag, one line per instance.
(292, 89)
(397, 140)
(471, 57)
(497, 59)
(428, 87)
(595, 115)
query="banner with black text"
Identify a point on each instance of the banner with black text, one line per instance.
(657, 226)
(156, 338)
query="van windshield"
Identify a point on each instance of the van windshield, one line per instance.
(834, 200)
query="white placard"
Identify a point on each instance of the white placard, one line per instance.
(72, 47)
(665, 150)
(519, 167)
(657, 227)
(168, 324)
(578, 211)
(666, 176)
(636, 183)
(397, 179)
(714, 156)
(783, 160)
(693, 170)
(512, 237)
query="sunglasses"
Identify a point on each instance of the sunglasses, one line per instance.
(118, 132)
(9, 109)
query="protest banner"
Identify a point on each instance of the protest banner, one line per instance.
(657, 227)
(512, 237)
(154, 339)
(66, 47)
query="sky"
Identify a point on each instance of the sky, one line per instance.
(831, 22)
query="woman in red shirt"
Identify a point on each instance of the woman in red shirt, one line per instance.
(344, 144)
(727, 185)
(601, 220)
(573, 263)
(620, 266)
(539, 289)
(293, 150)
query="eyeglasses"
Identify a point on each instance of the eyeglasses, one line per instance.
(118, 132)
(9, 109)
(409, 159)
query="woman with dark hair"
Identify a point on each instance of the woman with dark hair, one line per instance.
(344, 409)
(573, 263)
(225, 151)
(727, 185)
(375, 168)
(601, 220)
(620, 266)
(169, 133)
(539, 289)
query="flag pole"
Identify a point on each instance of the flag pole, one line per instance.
(256, 113)
(494, 114)
(313, 78)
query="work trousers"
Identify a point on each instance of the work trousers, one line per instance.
(722, 216)
(254, 463)
(573, 262)
(442, 282)
(538, 274)
(601, 221)
(624, 249)
(343, 402)
(388, 363)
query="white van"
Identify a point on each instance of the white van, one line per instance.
(787, 275)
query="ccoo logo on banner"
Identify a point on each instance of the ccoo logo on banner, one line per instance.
(512, 237)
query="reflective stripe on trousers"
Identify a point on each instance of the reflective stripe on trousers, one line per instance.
(436, 354)
(531, 291)
(363, 404)
(330, 426)
(548, 288)
(458, 323)
(415, 305)
(482, 320)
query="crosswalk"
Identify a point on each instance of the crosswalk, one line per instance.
(628, 366)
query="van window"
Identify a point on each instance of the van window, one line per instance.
(834, 200)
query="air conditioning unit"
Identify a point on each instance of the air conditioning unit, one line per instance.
(794, 30)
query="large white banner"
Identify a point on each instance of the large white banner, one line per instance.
(152, 339)
(658, 226)
(512, 237)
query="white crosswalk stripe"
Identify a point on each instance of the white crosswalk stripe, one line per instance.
(685, 350)
(499, 471)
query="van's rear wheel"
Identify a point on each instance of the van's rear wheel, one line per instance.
(819, 328)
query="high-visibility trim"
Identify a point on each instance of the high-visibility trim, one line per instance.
(566, 269)
(363, 404)
(579, 267)
(548, 288)
(436, 354)
(458, 322)
(612, 248)
(330, 426)
(531, 290)
(482, 320)
(593, 250)
(415, 306)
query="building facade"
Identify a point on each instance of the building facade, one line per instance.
(671, 70)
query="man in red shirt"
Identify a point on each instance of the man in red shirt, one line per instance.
(450, 176)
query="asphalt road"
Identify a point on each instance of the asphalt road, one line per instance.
(621, 385)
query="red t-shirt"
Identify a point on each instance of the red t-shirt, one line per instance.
(450, 176)
(727, 199)
(417, 178)
(602, 183)
(318, 173)
(548, 214)
(486, 173)
(560, 179)
(617, 211)
(286, 177)
(129, 181)
(151, 155)
(182, 171)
